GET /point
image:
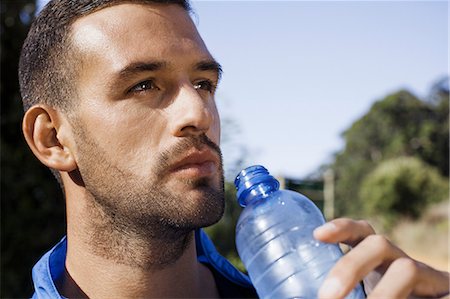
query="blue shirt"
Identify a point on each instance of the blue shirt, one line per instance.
(229, 281)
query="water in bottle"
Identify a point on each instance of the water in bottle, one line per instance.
(274, 239)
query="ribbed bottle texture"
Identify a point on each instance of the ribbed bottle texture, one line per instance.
(274, 239)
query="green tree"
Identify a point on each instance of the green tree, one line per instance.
(401, 187)
(435, 147)
(398, 125)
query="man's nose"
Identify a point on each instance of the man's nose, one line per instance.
(192, 114)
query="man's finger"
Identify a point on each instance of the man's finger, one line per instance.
(398, 281)
(344, 230)
(373, 252)
(406, 278)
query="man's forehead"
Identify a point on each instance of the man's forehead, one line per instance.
(137, 32)
(127, 9)
(132, 20)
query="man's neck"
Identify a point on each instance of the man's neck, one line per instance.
(102, 262)
(96, 277)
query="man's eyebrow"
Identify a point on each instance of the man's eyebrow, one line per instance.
(139, 67)
(210, 65)
(153, 66)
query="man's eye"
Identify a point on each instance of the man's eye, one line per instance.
(143, 86)
(205, 85)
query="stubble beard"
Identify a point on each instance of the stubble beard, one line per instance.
(142, 223)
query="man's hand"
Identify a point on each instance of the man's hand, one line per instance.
(387, 271)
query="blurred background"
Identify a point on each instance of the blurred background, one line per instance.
(346, 102)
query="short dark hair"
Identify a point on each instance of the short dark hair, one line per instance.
(48, 62)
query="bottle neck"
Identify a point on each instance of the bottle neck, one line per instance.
(254, 182)
(261, 190)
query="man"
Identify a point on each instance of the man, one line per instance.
(119, 101)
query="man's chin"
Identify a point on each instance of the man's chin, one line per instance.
(201, 195)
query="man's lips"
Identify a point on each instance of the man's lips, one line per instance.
(197, 163)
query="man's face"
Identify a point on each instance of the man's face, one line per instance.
(146, 124)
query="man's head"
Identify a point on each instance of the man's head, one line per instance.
(119, 98)
(49, 62)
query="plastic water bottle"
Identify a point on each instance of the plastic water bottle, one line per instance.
(274, 239)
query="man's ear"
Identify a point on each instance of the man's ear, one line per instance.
(40, 127)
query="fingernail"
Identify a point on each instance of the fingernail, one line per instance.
(331, 288)
(327, 227)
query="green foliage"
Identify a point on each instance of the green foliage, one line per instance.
(399, 125)
(401, 187)
(435, 147)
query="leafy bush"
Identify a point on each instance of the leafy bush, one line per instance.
(401, 187)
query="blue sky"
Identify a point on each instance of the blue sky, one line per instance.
(298, 73)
